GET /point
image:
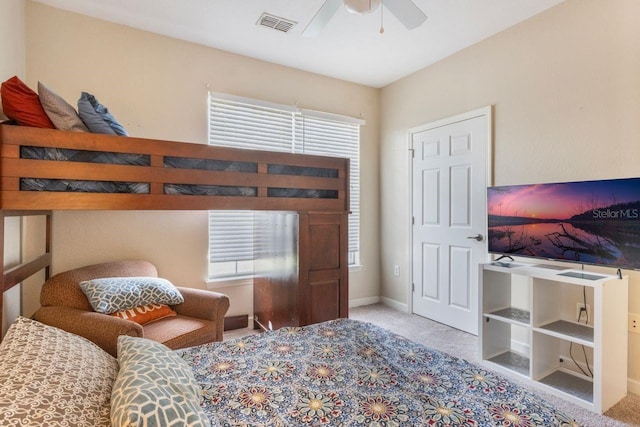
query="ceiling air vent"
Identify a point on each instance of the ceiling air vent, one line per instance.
(275, 22)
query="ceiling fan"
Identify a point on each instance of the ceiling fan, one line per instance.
(406, 11)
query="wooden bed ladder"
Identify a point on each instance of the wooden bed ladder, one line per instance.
(17, 274)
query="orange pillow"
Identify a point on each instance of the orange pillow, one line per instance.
(145, 313)
(21, 104)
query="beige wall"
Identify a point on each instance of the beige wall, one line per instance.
(565, 87)
(157, 88)
(12, 33)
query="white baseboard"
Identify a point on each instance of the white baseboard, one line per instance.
(575, 366)
(395, 304)
(375, 300)
(363, 301)
(633, 386)
(520, 347)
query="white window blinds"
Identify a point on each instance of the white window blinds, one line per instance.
(331, 138)
(257, 127)
(244, 123)
(230, 236)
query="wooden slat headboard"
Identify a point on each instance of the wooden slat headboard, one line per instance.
(157, 175)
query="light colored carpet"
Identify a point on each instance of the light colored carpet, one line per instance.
(464, 345)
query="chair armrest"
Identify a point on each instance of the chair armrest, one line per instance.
(202, 304)
(102, 329)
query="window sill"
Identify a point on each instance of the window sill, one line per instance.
(228, 282)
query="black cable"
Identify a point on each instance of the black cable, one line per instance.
(584, 351)
(571, 350)
(574, 360)
(584, 299)
(587, 361)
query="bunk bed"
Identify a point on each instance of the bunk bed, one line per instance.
(43, 170)
(331, 371)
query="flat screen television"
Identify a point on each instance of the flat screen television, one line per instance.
(587, 222)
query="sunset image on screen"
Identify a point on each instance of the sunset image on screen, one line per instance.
(595, 222)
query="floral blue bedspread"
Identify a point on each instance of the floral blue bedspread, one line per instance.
(350, 373)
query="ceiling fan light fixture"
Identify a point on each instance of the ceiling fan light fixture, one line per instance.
(361, 7)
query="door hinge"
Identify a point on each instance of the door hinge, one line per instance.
(413, 287)
(413, 220)
(413, 152)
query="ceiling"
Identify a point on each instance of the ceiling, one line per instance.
(349, 48)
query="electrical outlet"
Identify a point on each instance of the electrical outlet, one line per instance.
(585, 316)
(396, 270)
(634, 323)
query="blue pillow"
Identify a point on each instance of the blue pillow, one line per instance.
(97, 117)
(111, 294)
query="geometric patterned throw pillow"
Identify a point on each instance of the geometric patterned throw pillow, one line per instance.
(111, 294)
(154, 387)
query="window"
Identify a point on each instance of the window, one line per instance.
(245, 123)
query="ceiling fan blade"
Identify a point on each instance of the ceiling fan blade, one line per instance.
(321, 18)
(407, 12)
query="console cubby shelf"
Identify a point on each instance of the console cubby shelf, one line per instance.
(574, 332)
(529, 327)
(511, 315)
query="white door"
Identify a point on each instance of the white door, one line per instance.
(450, 175)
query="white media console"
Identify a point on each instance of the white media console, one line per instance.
(529, 328)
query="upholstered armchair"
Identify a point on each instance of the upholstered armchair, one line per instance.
(199, 319)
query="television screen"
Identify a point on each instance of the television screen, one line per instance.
(589, 222)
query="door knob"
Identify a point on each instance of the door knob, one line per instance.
(478, 237)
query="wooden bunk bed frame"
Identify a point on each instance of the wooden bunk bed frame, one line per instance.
(321, 290)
